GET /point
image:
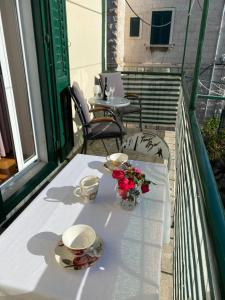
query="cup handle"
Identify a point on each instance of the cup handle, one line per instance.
(77, 192)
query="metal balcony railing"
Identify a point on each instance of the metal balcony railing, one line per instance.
(199, 260)
(199, 253)
(159, 94)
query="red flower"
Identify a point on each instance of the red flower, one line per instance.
(118, 174)
(123, 184)
(136, 170)
(144, 188)
(122, 193)
(131, 184)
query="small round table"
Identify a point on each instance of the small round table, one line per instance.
(114, 102)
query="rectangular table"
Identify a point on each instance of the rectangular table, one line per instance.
(130, 266)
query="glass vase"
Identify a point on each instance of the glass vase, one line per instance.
(128, 200)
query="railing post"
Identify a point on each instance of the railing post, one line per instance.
(104, 35)
(211, 97)
(199, 55)
(186, 36)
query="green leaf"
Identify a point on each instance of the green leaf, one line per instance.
(136, 180)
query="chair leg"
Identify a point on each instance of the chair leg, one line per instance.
(84, 147)
(121, 143)
(105, 147)
(140, 124)
(117, 144)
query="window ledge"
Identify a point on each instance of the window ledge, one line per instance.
(135, 37)
(160, 46)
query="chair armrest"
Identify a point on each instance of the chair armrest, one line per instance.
(131, 96)
(104, 109)
(102, 120)
(106, 120)
(101, 108)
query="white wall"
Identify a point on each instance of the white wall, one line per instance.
(85, 42)
(84, 22)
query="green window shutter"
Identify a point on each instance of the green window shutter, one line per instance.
(134, 26)
(60, 75)
(161, 35)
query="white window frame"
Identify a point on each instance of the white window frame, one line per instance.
(35, 157)
(10, 99)
(171, 28)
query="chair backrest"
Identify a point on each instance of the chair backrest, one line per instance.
(81, 105)
(149, 144)
(81, 102)
(113, 80)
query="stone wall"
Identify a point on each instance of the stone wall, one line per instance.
(120, 33)
(111, 41)
(137, 51)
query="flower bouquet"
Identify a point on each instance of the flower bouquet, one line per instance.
(131, 182)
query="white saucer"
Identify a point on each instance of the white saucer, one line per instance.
(70, 261)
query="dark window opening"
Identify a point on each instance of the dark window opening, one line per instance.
(161, 26)
(134, 26)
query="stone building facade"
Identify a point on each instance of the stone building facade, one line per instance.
(138, 52)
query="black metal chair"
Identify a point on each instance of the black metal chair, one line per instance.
(95, 128)
(114, 80)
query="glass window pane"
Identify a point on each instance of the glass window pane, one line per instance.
(18, 77)
(160, 30)
(134, 26)
(8, 164)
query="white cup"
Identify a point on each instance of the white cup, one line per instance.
(115, 160)
(88, 188)
(79, 238)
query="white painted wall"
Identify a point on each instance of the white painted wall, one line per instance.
(85, 42)
(84, 22)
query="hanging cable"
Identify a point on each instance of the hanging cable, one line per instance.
(192, 4)
(152, 25)
(199, 4)
(137, 14)
(161, 25)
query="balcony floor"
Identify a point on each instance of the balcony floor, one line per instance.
(97, 148)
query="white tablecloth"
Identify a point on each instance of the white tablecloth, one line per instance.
(130, 266)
